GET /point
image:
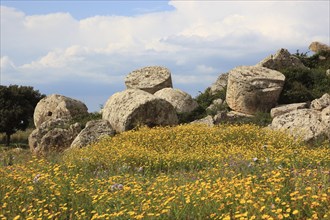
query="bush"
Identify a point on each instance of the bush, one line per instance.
(83, 119)
(303, 85)
(204, 100)
(314, 61)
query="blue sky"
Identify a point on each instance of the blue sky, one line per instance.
(84, 49)
(84, 9)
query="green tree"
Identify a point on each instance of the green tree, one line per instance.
(17, 105)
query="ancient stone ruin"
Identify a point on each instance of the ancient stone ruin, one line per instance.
(52, 117)
(57, 106)
(251, 89)
(151, 100)
(318, 47)
(149, 79)
(133, 107)
(94, 131)
(182, 101)
(309, 122)
(54, 135)
(220, 84)
(282, 59)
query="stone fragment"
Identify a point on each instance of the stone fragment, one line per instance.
(281, 60)
(133, 107)
(220, 84)
(317, 47)
(216, 103)
(322, 102)
(251, 89)
(280, 110)
(93, 132)
(149, 79)
(54, 135)
(182, 101)
(303, 123)
(220, 117)
(325, 116)
(208, 120)
(57, 106)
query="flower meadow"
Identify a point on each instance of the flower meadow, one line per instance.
(183, 172)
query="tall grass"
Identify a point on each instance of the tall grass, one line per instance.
(19, 139)
(183, 172)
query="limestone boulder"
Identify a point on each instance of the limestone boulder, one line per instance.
(54, 135)
(216, 104)
(281, 60)
(251, 89)
(208, 120)
(133, 107)
(322, 102)
(93, 132)
(149, 79)
(57, 106)
(220, 117)
(280, 110)
(182, 101)
(236, 115)
(304, 123)
(325, 116)
(220, 84)
(317, 47)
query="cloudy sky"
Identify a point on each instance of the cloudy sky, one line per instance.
(84, 49)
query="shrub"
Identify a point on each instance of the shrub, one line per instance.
(317, 61)
(204, 100)
(303, 85)
(83, 119)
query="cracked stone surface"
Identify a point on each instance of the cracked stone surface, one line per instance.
(57, 106)
(304, 123)
(281, 60)
(182, 101)
(133, 107)
(149, 79)
(251, 89)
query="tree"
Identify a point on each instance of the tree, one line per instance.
(17, 105)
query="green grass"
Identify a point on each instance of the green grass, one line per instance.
(19, 139)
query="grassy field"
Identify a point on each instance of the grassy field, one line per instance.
(19, 139)
(183, 172)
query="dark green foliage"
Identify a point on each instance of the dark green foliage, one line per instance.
(204, 100)
(17, 108)
(260, 118)
(198, 113)
(317, 61)
(303, 85)
(218, 108)
(83, 119)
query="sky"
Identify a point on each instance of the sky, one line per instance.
(85, 49)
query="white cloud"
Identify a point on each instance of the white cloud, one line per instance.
(205, 69)
(197, 41)
(6, 64)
